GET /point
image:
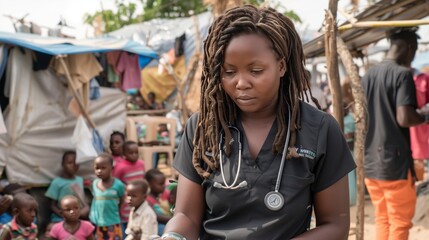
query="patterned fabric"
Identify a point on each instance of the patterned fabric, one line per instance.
(12, 230)
(113, 232)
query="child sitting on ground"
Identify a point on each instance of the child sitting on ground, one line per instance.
(66, 184)
(130, 169)
(142, 221)
(117, 140)
(24, 208)
(71, 227)
(156, 180)
(107, 196)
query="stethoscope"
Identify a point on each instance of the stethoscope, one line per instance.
(274, 199)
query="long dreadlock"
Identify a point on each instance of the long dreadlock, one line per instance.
(217, 108)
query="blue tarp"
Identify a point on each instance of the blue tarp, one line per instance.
(57, 46)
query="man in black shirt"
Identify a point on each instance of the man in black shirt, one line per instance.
(390, 92)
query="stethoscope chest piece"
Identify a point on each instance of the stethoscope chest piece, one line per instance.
(274, 200)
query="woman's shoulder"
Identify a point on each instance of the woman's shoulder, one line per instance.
(312, 115)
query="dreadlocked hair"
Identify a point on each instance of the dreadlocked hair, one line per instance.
(217, 109)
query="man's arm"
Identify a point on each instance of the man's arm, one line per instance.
(407, 116)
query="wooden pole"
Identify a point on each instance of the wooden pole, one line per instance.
(332, 61)
(360, 113)
(375, 24)
(76, 94)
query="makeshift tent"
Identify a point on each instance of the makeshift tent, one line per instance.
(161, 35)
(38, 121)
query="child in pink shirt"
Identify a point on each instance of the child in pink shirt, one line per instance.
(131, 168)
(71, 227)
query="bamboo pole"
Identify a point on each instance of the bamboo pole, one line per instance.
(332, 62)
(360, 113)
(375, 24)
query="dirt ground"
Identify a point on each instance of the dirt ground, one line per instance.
(420, 230)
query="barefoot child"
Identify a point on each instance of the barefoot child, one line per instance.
(142, 221)
(66, 184)
(24, 208)
(71, 227)
(107, 192)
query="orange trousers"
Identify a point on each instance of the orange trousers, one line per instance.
(394, 203)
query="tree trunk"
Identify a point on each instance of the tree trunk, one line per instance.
(360, 114)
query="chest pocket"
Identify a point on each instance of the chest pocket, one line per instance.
(293, 187)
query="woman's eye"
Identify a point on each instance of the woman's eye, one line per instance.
(256, 71)
(228, 73)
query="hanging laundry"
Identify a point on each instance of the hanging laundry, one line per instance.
(97, 141)
(113, 58)
(94, 89)
(82, 68)
(112, 76)
(129, 66)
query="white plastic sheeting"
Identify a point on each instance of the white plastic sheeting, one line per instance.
(40, 126)
(82, 139)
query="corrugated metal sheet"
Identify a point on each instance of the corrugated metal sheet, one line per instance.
(384, 10)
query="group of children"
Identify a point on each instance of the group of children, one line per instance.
(127, 202)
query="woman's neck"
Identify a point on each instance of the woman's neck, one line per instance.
(257, 119)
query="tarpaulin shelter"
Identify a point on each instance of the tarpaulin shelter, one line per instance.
(161, 35)
(38, 121)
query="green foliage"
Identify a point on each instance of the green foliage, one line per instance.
(288, 13)
(127, 13)
(172, 8)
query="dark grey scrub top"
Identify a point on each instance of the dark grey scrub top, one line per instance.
(241, 213)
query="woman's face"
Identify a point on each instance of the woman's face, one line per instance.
(251, 73)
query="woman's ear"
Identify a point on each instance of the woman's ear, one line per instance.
(282, 67)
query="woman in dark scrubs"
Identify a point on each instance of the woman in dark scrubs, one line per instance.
(256, 160)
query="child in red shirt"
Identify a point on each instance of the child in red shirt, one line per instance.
(131, 168)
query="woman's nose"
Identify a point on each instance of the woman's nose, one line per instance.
(242, 81)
